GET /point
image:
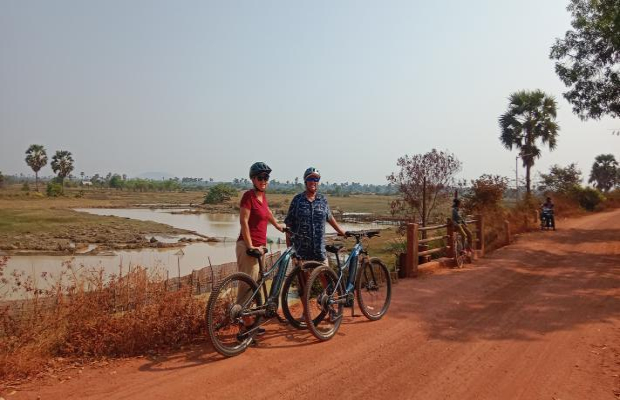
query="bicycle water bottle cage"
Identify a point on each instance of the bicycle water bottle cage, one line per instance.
(334, 248)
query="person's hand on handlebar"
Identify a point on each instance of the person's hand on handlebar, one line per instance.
(259, 249)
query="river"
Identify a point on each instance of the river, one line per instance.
(195, 256)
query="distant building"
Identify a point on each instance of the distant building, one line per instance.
(87, 183)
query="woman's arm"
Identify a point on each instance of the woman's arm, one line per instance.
(244, 217)
(273, 221)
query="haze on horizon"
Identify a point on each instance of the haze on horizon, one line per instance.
(203, 89)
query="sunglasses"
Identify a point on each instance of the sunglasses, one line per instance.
(263, 178)
(313, 179)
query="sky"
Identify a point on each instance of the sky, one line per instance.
(204, 88)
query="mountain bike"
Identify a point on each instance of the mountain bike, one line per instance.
(238, 306)
(328, 292)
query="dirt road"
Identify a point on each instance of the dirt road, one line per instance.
(539, 319)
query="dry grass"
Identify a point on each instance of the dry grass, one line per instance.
(82, 314)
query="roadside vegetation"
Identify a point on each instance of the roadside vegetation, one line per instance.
(82, 315)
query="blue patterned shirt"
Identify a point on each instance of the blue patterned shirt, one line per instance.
(308, 219)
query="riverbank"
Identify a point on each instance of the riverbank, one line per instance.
(31, 223)
(63, 231)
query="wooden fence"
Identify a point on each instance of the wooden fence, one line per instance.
(417, 248)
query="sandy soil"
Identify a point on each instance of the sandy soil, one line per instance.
(539, 319)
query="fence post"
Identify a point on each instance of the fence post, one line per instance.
(507, 231)
(480, 234)
(450, 247)
(411, 266)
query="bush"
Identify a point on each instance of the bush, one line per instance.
(219, 194)
(54, 189)
(25, 187)
(587, 197)
(486, 193)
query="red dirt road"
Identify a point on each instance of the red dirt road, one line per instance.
(539, 319)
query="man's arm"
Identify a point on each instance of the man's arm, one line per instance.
(332, 221)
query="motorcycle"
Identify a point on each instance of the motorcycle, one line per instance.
(546, 219)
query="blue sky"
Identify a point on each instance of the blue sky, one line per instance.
(204, 89)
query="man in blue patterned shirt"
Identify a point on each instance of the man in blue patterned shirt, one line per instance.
(307, 215)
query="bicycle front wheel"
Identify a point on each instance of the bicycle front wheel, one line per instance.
(374, 289)
(323, 303)
(292, 298)
(226, 313)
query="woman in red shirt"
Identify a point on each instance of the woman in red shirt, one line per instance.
(254, 213)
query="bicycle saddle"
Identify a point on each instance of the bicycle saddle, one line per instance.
(333, 248)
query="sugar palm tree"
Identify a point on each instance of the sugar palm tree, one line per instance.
(530, 118)
(604, 172)
(36, 158)
(62, 165)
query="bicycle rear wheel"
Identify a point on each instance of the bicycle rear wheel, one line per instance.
(374, 289)
(224, 315)
(323, 303)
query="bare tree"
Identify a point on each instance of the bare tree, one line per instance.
(423, 179)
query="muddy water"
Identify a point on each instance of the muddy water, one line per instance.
(196, 256)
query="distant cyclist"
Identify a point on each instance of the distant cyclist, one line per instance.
(254, 213)
(307, 216)
(459, 224)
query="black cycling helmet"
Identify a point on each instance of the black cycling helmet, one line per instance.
(258, 168)
(311, 171)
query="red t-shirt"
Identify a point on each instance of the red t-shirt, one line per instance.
(258, 217)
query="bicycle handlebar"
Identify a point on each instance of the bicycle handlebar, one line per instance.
(359, 234)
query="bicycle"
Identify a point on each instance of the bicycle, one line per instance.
(460, 255)
(235, 309)
(328, 293)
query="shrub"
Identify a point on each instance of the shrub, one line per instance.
(25, 187)
(85, 314)
(486, 193)
(587, 197)
(219, 194)
(54, 189)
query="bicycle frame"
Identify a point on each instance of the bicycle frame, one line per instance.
(280, 264)
(352, 259)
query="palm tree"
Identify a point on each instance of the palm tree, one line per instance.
(530, 117)
(62, 164)
(604, 172)
(36, 158)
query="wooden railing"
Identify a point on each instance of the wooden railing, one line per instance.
(414, 254)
